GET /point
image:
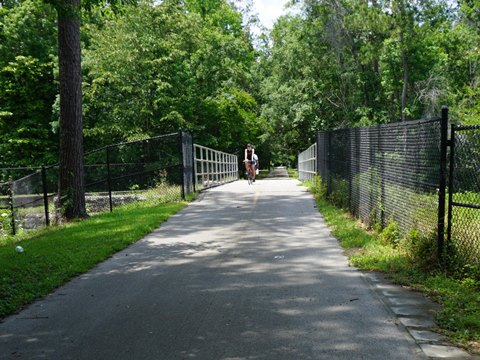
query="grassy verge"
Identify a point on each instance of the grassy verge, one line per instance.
(54, 255)
(293, 173)
(459, 317)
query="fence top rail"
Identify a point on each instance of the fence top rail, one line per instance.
(21, 168)
(213, 161)
(35, 170)
(207, 148)
(314, 144)
(26, 177)
(389, 125)
(466, 127)
(131, 142)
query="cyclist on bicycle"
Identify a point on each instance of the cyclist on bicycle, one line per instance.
(249, 160)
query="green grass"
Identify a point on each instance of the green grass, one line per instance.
(293, 173)
(459, 317)
(54, 255)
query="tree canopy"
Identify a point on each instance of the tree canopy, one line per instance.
(153, 67)
(343, 63)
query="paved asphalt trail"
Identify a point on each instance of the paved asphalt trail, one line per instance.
(245, 272)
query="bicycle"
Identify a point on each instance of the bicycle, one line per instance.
(250, 178)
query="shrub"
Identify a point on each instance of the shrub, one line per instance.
(340, 193)
(422, 249)
(5, 222)
(319, 188)
(391, 234)
(374, 221)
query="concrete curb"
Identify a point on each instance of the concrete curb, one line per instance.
(416, 313)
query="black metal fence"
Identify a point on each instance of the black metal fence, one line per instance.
(402, 173)
(160, 167)
(463, 232)
(384, 173)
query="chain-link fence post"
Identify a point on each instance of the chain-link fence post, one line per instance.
(182, 162)
(349, 169)
(450, 185)
(382, 177)
(10, 202)
(109, 178)
(45, 196)
(329, 163)
(442, 183)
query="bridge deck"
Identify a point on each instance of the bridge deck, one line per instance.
(245, 272)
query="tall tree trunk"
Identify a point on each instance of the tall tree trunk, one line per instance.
(405, 76)
(71, 190)
(404, 24)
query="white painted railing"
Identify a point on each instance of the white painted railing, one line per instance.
(213, 167)
(307, 163)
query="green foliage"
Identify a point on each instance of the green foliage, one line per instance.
(339, 194)
(348, 63)
(160, 67)
(5, 223)
(374, 221)
(27, 88)
(293, 173)
(422, 250)
(317, 187)
(391, 234)
(459, 315)
(147, 70)
(344, 227)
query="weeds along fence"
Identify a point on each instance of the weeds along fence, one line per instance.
(213, 168)
(160, 168)
(399, 173)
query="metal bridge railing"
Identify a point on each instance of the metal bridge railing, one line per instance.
(307, 163)
(213, 167)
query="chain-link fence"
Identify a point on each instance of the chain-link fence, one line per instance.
(31, 198)
(158, 168)
(21, 200)
(164, 168)
(397, 173)
(464, 194)
(386, 173)
(132, 171)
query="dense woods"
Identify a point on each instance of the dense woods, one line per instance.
(153, 67)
